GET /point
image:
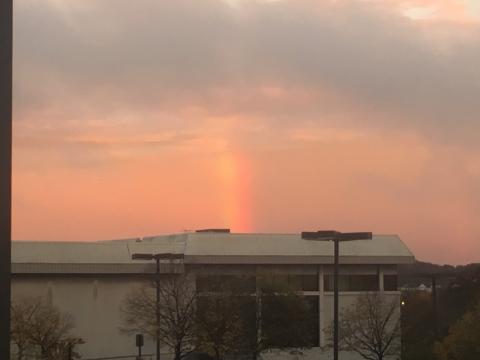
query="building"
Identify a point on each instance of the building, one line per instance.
(91, 279)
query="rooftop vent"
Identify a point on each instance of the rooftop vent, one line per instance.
(213, 231)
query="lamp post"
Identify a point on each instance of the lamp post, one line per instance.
(336, 237)
(157, 258)
(6, 31)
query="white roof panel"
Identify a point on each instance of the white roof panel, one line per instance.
(198, 246)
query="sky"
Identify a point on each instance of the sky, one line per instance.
(137, 118)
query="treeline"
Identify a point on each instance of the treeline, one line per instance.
(222, 322)
(439, 324)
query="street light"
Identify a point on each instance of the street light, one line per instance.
(336, 237)
(157, 258)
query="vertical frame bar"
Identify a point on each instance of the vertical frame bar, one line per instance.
(6, 31)
(435, 306)
(321, 306)
(336, 243)
(157, 288)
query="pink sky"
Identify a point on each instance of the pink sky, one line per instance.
(261, 116)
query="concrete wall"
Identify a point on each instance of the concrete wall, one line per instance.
(95, 302)
(95, 305)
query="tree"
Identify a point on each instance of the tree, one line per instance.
(21, 314)
(463, 340)
(280, 318)
(220, 317)
(240, 315)
(177, 314)
(36, 324)
(220, 326)
(417, 321)
(371, 327)
(227, 316)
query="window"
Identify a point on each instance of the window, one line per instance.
(218, 283)
(293, 282)
(247, 284)
(352, 282)
(303, 282)
(284, 328)
(390, 283)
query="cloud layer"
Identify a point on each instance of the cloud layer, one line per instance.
(250, 106)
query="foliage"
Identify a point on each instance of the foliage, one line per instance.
(280, 318)
(458, 290)
(177, 310)
(417, 318)
(220, 324)
(463, 340)
(370, 327)
(36, 324)
(459, 296)
(227, 318)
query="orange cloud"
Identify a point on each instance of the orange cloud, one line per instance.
(323, 115)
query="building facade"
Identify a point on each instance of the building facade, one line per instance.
(90, 280)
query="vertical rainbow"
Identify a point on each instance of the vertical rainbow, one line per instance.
(236, 191)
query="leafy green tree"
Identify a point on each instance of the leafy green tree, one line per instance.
(220, 326)
(222, 321)
(280, 318)
(417, 319)
(238, 318)
(463, 340)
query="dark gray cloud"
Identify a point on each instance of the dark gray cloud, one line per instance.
(106, 56)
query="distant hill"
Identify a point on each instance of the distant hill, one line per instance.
(420, 272)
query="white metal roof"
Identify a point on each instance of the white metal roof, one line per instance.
(205, 248)
(225, 244)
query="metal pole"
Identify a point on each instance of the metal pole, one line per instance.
(335, 300)
(6, 31)
(434, 303)
(157, 283)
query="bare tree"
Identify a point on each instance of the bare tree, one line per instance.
(371, 327)
(177, 314)
(36, 324)
(21, 314)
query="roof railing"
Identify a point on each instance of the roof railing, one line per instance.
(213, 231)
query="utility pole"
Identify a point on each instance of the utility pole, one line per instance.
(157, 305)
(434, 304)
(335, 297)
(6, 31)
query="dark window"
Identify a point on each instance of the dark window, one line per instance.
(224, 283)
(291, 282)
(286, 321)
(352, 282)
(283, 328)
(310, 282)
(247, 284)
(390, 283)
